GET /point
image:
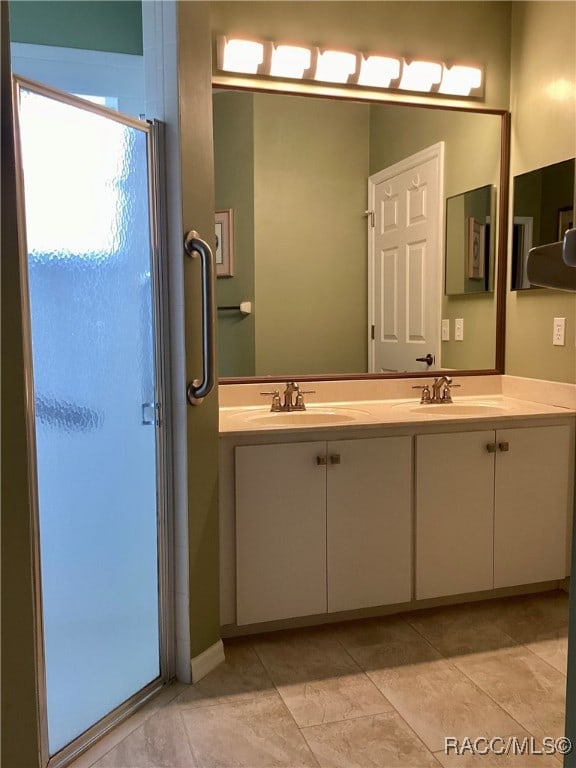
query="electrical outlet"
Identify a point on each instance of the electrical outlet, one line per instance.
(459, 329)
(445, 330)
(559, 333)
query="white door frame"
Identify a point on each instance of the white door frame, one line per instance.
(435, 151)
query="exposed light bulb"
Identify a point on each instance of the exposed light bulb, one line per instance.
(420, 76)
(290, 61)
(242, 56)
(378, 71)
(459, 80)
(335, 66)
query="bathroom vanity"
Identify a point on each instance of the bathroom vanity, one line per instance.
(372, 506)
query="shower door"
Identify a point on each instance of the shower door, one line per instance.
(86, 195)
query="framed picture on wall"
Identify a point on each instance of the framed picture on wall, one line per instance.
(224, 243)
(476, 247)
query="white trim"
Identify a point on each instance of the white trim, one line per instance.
(406, 164)
(206, 661)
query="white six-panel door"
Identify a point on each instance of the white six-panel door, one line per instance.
(405, 262)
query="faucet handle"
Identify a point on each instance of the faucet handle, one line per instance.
(299, 404)
(426, 397)
(275, 399)
(446, 390)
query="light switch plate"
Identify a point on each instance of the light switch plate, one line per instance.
(559, 334)
(459, 329)
(445, 330)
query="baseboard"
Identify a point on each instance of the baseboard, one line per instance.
(206, 661)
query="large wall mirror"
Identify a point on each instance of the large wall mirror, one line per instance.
(294, 171)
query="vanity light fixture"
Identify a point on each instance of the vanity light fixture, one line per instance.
(243, 56)
(420, 76)
(459, 80)
(378, 71)
(254, 57)
(335, 66)
(290, 61)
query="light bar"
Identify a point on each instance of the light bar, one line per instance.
(290, 61)
(378, 71)
(242, 56)
(335, 66)
(253, 57)
(460, 81)
(420, 76)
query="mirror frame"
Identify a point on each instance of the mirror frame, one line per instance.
(258, 85)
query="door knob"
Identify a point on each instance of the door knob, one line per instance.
(429, 359)
(504, 446)
(321, 460)
(491, 447)
(335, 458)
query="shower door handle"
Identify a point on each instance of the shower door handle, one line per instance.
(194, 246)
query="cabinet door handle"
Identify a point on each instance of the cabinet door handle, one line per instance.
(335, 458)
(321, 460)
(504, 446)
(491, 447)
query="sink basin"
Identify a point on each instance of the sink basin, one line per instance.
(459, 409)
(310, 417)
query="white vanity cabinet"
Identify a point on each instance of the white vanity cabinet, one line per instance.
(532, 505)
(492, 509)
(280, 531)
(322, 527)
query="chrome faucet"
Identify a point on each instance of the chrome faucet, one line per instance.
(289, 403)
(437, 392)
(441, 389)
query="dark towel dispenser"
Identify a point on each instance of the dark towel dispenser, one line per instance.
(554, 265)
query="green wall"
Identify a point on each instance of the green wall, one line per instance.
(96, 26)
(311, 166)
(234, 183)
(19, 713)
(197, 180)
(543, 133)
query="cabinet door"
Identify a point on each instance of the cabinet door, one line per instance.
(454, 513)
(369, 522)
(532, 505)
(280, 531)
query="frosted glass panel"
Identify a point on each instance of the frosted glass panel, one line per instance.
(89, 262)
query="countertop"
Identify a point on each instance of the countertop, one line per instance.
(369, 414)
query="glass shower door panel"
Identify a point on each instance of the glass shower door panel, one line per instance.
(91, 296)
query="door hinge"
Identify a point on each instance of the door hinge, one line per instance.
(370, 217)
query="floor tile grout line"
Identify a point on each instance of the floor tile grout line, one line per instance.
(451, 664)
(353, 660)
(499, 704)
(287, 708)
(196, 762)
(541, 658)
(515, 641)
(391, 712)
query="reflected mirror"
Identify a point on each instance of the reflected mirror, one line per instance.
(470, 241)
(543, 211)
(294, 171)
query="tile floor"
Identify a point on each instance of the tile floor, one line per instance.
(379, 692)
